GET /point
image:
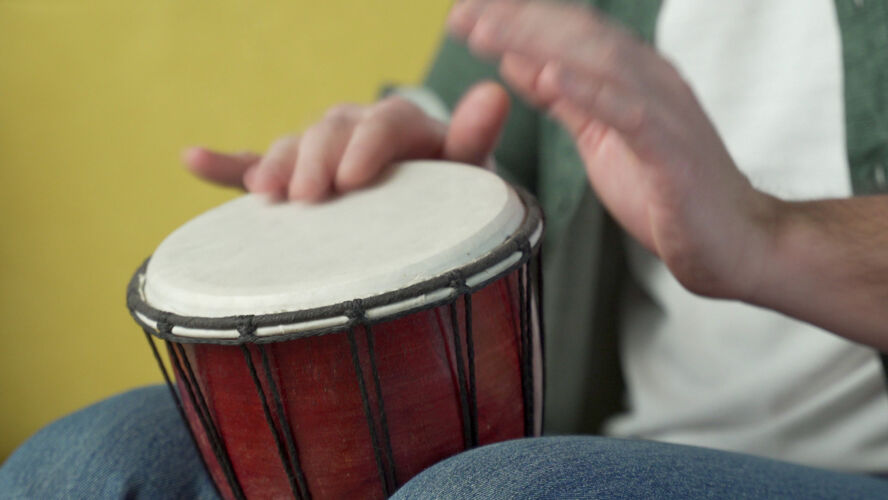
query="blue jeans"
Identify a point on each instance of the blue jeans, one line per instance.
(135, 446)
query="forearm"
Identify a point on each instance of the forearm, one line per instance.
(829, 266)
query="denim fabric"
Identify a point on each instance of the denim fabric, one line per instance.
(135, 446)
(131, 446)
(593, 467)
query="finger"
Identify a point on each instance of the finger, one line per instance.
(540, 84)
(574, 120)
(463, 16)
(392, 130)
(227, 169)
(476, 124)
(272, 175)
(571, 34)
(523, 74)
(578, 99)
(320, 152)
(608, 102)
(580, 40)
(549, 84)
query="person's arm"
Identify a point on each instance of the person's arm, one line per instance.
(829, 266)
(656, 161)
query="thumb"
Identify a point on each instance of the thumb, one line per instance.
(476, 123)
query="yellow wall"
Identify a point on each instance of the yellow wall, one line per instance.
(96, 100)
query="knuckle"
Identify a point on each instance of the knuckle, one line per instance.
(281, 147)
(395, 105)
(283, 142)
(638, 119)
(385, 116)
(342, 112)
(314, 132)
(611, 55)
(382, 128)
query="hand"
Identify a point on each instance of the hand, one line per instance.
(651, 154)
(352, 144)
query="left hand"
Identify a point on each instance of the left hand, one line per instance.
(651, 154)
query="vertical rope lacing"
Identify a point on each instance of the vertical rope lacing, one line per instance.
(285, 426)
(266, 410)
(391, 474)
(538, 289)
(365, 399)
(356, 315)
(526, 351)
(470, 350)
(461, 379)
(175, 395)
(184, 372)
(469, 427)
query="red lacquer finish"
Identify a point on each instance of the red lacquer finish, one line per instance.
(416, 364)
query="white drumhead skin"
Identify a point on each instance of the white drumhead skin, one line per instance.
(255, 256)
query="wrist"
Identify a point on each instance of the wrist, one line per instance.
(792, 246)
(766, 244)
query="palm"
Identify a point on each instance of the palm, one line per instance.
(694, 232)
(615, 173)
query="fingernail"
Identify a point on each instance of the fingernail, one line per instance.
(192, 154)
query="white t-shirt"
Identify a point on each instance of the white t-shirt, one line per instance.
(724, 374)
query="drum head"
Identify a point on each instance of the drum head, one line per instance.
(252, 256)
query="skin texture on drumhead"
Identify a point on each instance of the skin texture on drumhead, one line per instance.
(256, 256)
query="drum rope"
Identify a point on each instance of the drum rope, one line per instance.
(461, 378)
(282, 453)
(392, 475)
(175, 395)
(199, 403)
(526, 352)
(288, 435)
(540, 307)
(365, 399)
(470, 350)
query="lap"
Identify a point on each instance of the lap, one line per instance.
(596, 467)
(133, 445)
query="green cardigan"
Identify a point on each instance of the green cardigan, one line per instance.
(583, 261)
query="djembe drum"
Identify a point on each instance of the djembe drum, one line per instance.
(336, 350)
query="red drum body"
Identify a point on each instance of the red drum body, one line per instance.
(416, 364)
(334, 351)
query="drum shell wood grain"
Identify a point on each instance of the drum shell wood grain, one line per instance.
(417, 369)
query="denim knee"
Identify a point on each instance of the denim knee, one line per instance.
(133, 445)
(595, 467)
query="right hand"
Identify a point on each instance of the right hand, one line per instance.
(351, 145)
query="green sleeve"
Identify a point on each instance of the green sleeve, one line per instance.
(452, 72)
